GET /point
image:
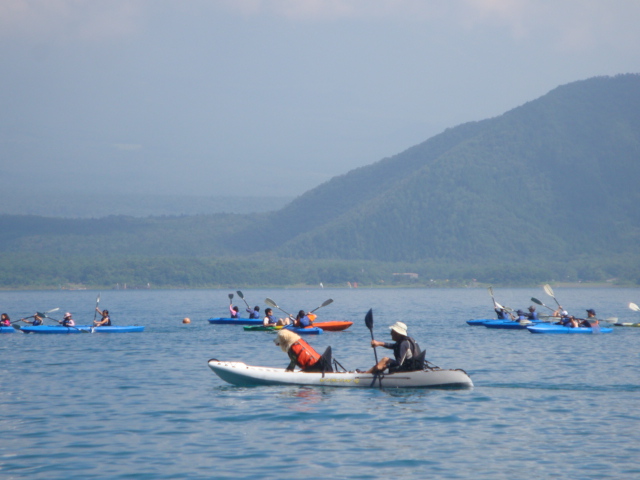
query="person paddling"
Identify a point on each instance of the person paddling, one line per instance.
(255, 313)
(68, 321)
(105, 321)
(234, 311)
(304, 320)
(269, 320)
(37, 320)
(532, 315)
(405, 350)
(591, 319)
(5, 321)
(502, 313)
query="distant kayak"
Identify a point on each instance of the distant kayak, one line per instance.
(481, 321)
(235, 321)
(627, 324)
(238, 373)
(59, 329)
(299, 330)
(553, 328)
(509, 324)
(333, 326)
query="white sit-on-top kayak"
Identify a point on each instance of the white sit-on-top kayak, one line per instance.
(239, 373)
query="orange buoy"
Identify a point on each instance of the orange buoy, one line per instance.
(186, 320)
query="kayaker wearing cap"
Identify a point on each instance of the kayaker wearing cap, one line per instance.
(591, 319)
(404, 349)
(300, 352)
(67, 321)
(566, 320)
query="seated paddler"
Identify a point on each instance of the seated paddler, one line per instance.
(406, 352)
(302, 354)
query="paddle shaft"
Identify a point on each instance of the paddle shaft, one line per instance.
(242, 297)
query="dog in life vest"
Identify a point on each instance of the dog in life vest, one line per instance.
(300, 353)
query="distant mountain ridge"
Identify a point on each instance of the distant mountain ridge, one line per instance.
(553, 181)
(557, 176)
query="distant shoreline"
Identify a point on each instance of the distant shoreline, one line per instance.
(326, 287)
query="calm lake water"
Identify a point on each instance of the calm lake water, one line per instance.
(146, 405)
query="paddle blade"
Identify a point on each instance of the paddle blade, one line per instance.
(271, 303)
(548, 290)
(231, 296)
(535, 300)
(327, 302)
(634, 307)
(52, 310)
(368, 319)
(240, 294)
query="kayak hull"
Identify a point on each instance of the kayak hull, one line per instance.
(238, 373)
(4, 329)
(546, 328)
(59, 329)
(333, 326)
(235, 321)
(481, 321)
(509, 325)
(298, 330)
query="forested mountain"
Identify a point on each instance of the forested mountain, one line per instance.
(552, 184)
(555, 178)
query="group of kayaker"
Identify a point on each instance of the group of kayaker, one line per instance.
(570, 321)
(67, 321)
(302, 319)
(406, 352)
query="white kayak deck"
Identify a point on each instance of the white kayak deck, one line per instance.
(239, 373)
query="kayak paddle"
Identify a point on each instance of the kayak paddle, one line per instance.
(324, 304)
(272, 304)
(535, 300)
(634, 307)
(242, 297)
(368, 321)
(549, 291)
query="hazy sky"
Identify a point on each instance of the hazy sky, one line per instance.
(256, 97)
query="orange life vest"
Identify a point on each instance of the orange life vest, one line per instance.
(305, 354)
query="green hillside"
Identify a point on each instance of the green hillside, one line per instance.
(549, 190)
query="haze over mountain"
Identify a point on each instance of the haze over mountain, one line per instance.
(549, 184)
(557, 177)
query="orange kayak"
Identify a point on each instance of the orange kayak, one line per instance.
(333, 326)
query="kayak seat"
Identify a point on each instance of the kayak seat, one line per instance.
(418, 362)
(323, 364)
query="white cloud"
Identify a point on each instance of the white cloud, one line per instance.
(69, 19)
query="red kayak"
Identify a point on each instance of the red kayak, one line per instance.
(333, 326)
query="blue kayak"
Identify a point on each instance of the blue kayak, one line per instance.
(553, 328)
(482, 321)
(507, 324)
(54, 329)
(300, 330)
(235, 321)
(6, 329)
